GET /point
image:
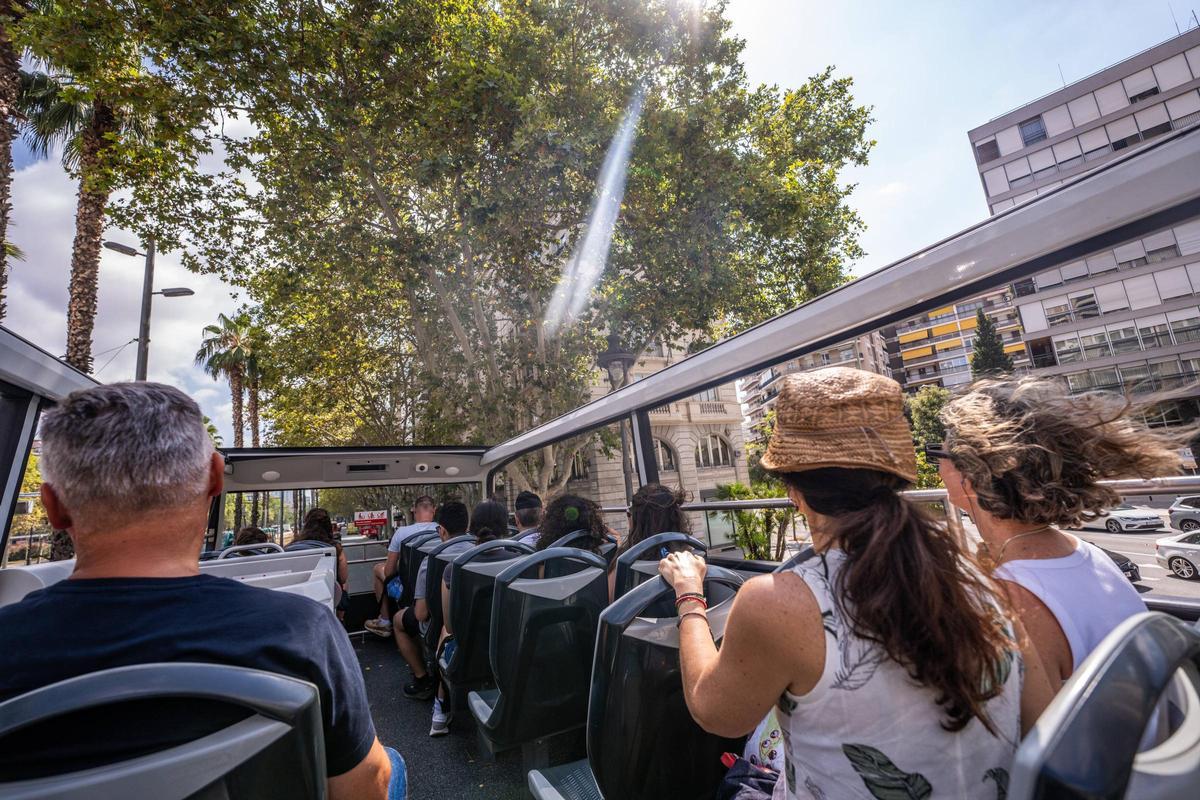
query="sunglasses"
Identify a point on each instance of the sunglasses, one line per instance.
(936, 451)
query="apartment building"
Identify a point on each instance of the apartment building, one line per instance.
(1034, 148)
(759, 391)
(1125, 318)
(935, 348)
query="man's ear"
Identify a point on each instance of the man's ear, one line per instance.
(216, 475)
(56, 512)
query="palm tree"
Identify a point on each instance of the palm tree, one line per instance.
(253, 376)
(52, 116)
(224, 353)
(10, 91)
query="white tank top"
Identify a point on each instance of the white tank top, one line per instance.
(1086, 592)
(866, 730)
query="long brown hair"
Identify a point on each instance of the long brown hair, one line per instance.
(908, 587)
(655, 509)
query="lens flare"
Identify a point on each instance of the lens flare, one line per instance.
(583, 269)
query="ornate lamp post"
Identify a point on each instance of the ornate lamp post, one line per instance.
(616, 361)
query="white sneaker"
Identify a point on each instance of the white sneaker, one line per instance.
(441, 720)
(380, 627)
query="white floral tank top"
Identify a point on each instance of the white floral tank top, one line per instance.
(866, 730)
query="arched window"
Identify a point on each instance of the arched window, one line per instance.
(665, 456)
(713, 451)
(580, 467)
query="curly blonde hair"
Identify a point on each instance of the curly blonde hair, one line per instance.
(1036, 453)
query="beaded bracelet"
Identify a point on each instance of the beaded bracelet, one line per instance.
(698, 598)
(682, 617)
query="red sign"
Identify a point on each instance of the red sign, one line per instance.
(370, 523)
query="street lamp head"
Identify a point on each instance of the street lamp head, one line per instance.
(617, 361)
(176, 291)
(123, 249)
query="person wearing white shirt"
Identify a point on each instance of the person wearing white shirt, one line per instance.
(386, 572)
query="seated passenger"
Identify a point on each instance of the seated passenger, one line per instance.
(409, 624)
(386, 574)
(568, 513)
(250, 535)
(528, 508)
(136, 595)
(886, 655)
(318, 530)
(1024, 458)
(656, 509)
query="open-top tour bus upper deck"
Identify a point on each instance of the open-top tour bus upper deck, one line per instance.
(603, 654)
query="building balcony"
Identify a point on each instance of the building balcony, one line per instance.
(686, 411)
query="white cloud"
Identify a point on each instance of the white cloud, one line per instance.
(43, 226)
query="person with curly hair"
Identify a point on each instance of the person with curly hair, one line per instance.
(1024, 458)
(656, 509)
(569, 513)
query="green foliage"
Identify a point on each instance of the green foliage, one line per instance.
(754, 530)
(924, 409)
(418, 174)
(988, 357)
(927, 473)
(213, 433)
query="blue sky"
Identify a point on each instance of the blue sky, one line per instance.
(931, 71)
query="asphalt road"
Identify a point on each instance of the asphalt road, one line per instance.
(1139, 547)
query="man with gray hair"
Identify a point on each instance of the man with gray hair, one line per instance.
(130, 473)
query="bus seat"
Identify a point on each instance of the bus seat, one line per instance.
(16, 582)
(471, 590)
(1085, 744)
(244, 550)
(543, 630)
(436, 551)
(409, 563)
(642, 743)
(251, 734)
(804, 555)
(640, 562)
(608, 551)
(307, 544)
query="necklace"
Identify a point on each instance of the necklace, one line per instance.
(1003, 547)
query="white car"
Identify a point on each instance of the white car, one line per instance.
(1125, 517)
(1180, 553)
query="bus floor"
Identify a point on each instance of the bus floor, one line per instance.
(446, 767)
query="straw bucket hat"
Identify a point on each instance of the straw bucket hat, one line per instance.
(841, 417)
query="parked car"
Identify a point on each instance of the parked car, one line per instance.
(1185, 513)
(1126, 565)
(1125, 517)
(1180, 553)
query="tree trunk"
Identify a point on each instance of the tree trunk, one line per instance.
(89, 231)
(239, 423)
(10, 87)
(252, 411)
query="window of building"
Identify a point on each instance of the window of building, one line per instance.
(1156, 130)
(713, 451)
(1111, 297)
(1136, 378)
(1032, 131)
(1162, 254)
(1083, 305)
(1123, 338)
(1121, 144)
(1095, 344)
(847, 354)
(1067, 349)
(1024, 180)
(579, 467)
(1079, 381)
(1106, 379)
(1154, 333)
(1058, 311)
(1185, 325)
(987, 151)
(1173, 283)
(1191, 367)
(709, 395)
(1099, 152)
(1142, 95)
(665, 456)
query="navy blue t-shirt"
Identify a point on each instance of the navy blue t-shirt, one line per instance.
(79, 626)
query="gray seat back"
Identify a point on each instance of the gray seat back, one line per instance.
(1085, 744)
(259, 735)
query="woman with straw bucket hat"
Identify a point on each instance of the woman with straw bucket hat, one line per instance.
(888, 656)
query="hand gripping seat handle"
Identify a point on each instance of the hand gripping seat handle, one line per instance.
(647, 549)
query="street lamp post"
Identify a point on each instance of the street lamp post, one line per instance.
(143, 351)
(617, 361)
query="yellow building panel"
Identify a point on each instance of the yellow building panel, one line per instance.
(941, 330)
(969, 322)
(945, 347)
(1019, 347)
(914, 336)
(919, 352)
(937, 312)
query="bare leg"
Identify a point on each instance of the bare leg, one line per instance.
(378, 571)
(409, 649)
